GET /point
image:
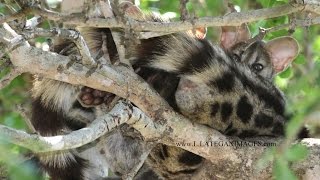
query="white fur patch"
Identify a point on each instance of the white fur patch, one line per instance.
(57, 159)
(55, 94)
(180, 47)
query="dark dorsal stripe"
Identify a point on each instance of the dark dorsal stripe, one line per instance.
(214, 109)
(225, 83)
(200, 60)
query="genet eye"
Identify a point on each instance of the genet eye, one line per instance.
(257, 67)
(236, 57)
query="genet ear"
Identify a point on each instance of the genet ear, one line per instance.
(282, 52)
(232, 35)
(199, 33)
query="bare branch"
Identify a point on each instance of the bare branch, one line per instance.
(232, 155)
(26, 114)
(120, 114)
(165, 125)
(232, 19)
(296, 23)
(183, 10)
(67, 34)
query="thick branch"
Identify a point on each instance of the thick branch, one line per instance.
(123, 82)
(214, 145)
(232, 19)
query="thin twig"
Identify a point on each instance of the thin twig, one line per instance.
(26, 114)
(67, 34)
(258, 37)
(120, 114)
(296, 23)
(6, 64)
(232, 19)
(184, 14)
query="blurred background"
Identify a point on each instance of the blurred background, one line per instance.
(300, 83)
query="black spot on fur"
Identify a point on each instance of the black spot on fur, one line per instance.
(225, 83)
(267, 93)
(244, 109)
(226, 111)
(248, 133)
(263, 121)
(73, 171)
(189, 158)
(278, 129)
(199, 60)
(214, 109)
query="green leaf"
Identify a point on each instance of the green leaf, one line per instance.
(265, 159)
(300, 59)
(282, 171)
(316, 44)
(293, 126)
(287, 73)
(296, 152)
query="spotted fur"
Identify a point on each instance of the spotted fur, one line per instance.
(230, 97)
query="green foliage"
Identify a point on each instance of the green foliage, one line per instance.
(287, 73)
(296, 153)
(282, 170)
(17, 167)
(16, 93)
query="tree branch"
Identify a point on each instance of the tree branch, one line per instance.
(166, 126)
(117, 116)
(232, 19)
